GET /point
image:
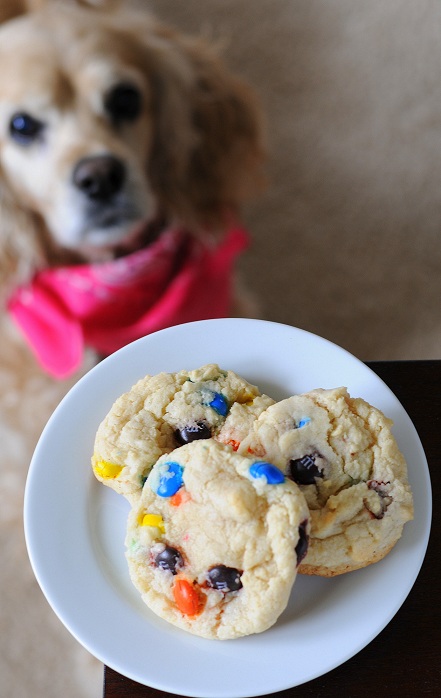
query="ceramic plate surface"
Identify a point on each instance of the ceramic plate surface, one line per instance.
(75, 527)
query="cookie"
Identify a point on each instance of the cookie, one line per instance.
(214, 543)
(342, 454)
(165, 411)
(240, 418)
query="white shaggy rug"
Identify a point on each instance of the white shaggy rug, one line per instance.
(347, 237)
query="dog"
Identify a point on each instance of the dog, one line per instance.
(114, 129)
(126, 152)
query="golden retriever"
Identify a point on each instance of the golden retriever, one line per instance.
(113, 128)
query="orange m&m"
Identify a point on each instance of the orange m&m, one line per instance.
(187, 598)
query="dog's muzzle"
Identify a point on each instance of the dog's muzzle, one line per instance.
(109, 205)
(100, 178)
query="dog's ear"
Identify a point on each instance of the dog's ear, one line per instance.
(20, 242)
(207, 151)
(12, 8)
(26, 245)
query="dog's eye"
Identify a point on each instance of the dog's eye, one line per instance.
(123, 103)
(24, 128)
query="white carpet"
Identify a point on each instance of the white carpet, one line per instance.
(346, 240)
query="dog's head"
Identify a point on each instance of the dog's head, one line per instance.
(107, 121)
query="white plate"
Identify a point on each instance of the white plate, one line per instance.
(75, 527)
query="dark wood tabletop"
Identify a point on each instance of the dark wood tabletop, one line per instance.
(404, 659)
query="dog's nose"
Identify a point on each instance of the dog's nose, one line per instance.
(99, 177)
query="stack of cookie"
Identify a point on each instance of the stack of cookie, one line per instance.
(233, 494)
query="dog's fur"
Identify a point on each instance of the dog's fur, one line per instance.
(191, 151)
(190, 147)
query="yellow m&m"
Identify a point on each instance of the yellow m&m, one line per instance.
(107, 470)
(152, 520)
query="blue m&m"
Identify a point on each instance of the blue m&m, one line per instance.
(219, 404)
(170, 479)
(272, 475)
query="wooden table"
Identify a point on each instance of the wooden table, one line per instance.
(405, 659)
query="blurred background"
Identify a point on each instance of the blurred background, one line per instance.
(346, 239)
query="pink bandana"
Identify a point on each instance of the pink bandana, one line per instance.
(177, 279)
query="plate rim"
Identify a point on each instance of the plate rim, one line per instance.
(106, 367)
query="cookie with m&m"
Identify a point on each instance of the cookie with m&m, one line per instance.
(342, 453)
(214, 543)
(167, 410)
(240, 419)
